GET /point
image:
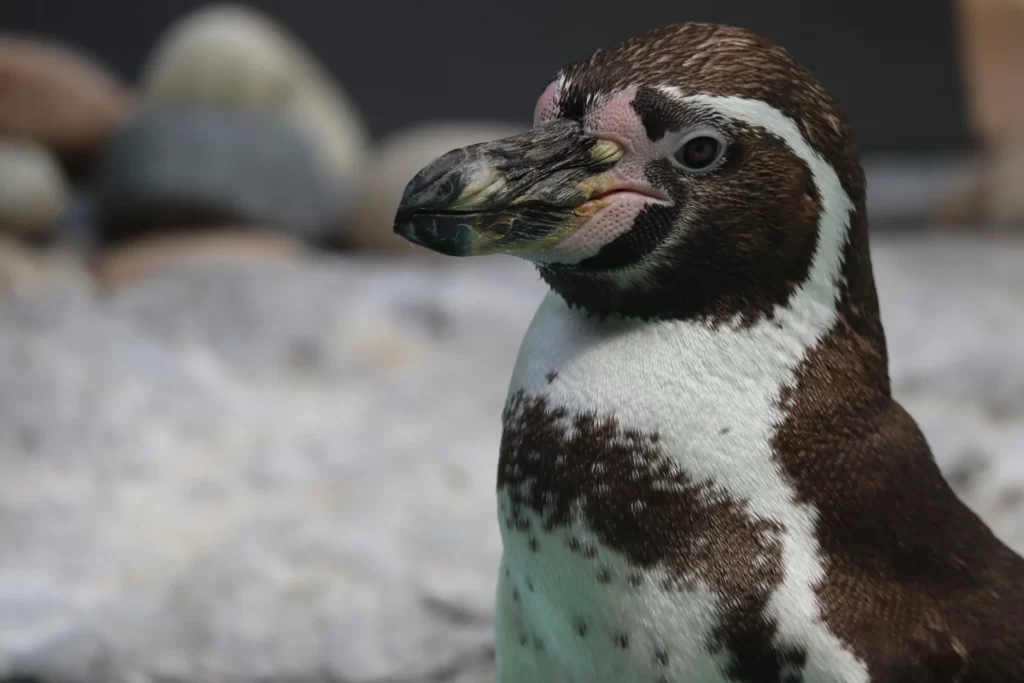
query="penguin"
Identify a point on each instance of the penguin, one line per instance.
(703, 475)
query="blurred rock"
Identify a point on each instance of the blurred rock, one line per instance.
(79, 228)
(986, 194)
(259, 473)
(179, 168)
(989, 192)
(992, 48)
(233, 58)
(395, 162)
(56, 97)
(33, 195)
(28, 271)
(210, 248)
(1005, 176)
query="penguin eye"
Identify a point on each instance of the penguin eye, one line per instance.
(700, 151)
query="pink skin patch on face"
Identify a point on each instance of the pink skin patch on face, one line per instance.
(612, 118)
(547, 106)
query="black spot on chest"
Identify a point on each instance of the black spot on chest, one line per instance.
(564, 467)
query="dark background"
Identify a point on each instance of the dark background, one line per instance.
(892, 64)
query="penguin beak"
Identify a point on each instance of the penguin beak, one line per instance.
(518, 195)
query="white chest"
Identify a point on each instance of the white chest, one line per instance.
(649, 533)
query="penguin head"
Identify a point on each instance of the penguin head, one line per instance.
(695, 171)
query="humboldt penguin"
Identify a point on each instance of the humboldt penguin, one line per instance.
(703, 474)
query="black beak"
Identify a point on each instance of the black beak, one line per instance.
(517, 195)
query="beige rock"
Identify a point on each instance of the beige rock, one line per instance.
(54, 96)
(960, 204)
(1005, 184)
(989, 193)
(26, 270)
(33, 192)
(214, 247)
(393, 165)
(236, 59)
(992, 48)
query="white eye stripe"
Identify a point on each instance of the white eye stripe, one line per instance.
(836, 205)
(810, 314)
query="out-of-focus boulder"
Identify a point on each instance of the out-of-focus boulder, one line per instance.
(181, 168)
(56, 97)
(990, 191)
(33, 193)
(235, 59)
(216, 247)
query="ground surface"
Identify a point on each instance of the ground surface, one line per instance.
(286, 473)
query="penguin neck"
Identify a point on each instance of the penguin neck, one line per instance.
(837, 302)
(697, 275)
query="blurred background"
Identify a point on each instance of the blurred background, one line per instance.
(248, 434)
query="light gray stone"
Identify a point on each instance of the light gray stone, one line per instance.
(33, 193)
(287, 473)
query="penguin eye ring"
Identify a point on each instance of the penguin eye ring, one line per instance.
(700, 151)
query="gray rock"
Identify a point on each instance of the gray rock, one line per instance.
(233, 58)
(79, 226)
(173, 167)
(287, 473)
